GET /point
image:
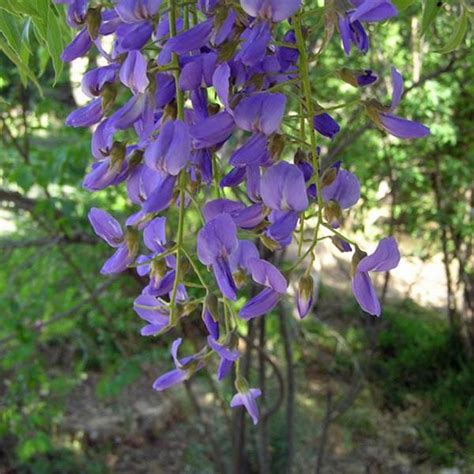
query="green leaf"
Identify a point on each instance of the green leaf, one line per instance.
(16, 59)
(430, 11)
(458, 35)
(55, 41)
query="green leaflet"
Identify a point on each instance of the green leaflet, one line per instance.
(17, 19)
(15, 58)
(458, 34)
(430, 11)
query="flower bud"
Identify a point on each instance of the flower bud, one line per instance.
(305, 295)
(333, 214)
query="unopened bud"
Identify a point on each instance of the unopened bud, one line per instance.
(305, 295)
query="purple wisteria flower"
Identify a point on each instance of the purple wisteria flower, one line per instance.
(154, 312)
(247, 398)
(184, 369)
(261, 112)
(133, 72)
(215, 243)
(179, 114)
(274, 10)
(397, 126)
(108, 229)
(350, 26)
(170, 152)
(385, 258)
(228, 356)
(345, 189)
(283, 188)
(264, 273)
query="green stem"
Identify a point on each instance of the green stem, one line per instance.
(307, 96)
(182, 176)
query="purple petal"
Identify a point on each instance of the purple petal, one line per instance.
(224, 369)
(211, 325)
(397, 81)
(254, 44)
(220, 206)
(365, 293)
(274, 10)
(217, 239)
(261, 304)
(283, 188)
(241, 257)
(253, 152)
(283, 227)
(174, 377)
(374, 10)
(160, 198)
(224, 278)
(249, 217)
(86, 116)
(247, 399)
(261, 112)
(118, 262)
(192, 39)
(220, 81)
(78, 47)
(213, 130)
(403, 128)
(171, 151)
(133, 72)
(154, 234)
(345, 190)
(223, 351)
(106, 227)
(268, 275)
(386, 257)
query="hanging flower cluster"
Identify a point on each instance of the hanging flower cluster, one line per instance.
(180, 84)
